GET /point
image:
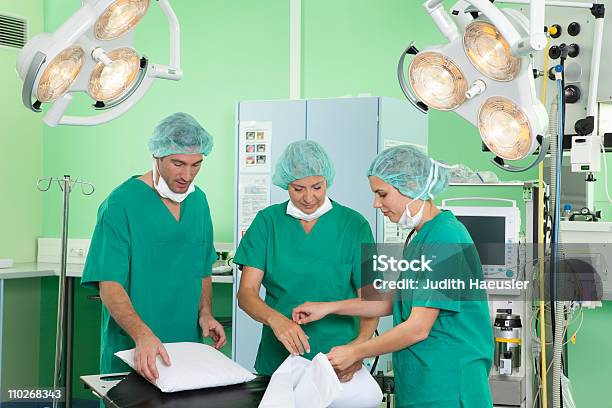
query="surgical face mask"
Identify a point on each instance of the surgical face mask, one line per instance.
(409, 221)
(163, 190)
(295, 212)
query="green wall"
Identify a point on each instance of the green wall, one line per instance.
(601, 201)
(20, 209)
(21, 150)
(231, 51)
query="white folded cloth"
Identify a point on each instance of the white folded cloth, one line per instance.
(301, 383)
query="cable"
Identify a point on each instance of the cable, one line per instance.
(566, 326)
(557, 193)
(564, 108)
(376, 334)
(579, 326)
(535, 398)
(603, 153)
(542, 225)
(557, 306)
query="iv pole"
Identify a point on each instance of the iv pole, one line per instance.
(65, 309)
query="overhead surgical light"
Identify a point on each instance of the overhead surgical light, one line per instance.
(119, 18)
(489, 52)
(93, 53)
(60, 74)
(484, 74)
(113, 78)
(505, 129)
(438, 81)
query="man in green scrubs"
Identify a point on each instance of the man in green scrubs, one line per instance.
(152, 252)
(306, 248)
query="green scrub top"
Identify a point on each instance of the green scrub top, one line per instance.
(321, 266)
(159, 261)
(450, 368)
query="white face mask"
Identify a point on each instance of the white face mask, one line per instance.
(295, 212)
(409, 221)
(163, 190)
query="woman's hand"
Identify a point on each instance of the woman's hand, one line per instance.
(311, 312)
(343, 357)
(347, 375)
(290, 334)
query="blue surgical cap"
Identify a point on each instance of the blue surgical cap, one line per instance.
(180, 133)
(409, 170)
(301, 159)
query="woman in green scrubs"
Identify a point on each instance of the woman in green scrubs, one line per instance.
(306, 248)
(442, 340)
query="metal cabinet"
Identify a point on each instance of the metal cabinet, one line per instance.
(352, 131)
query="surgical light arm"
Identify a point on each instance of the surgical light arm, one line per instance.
(173, 71)
(411, 49)
(518, 45)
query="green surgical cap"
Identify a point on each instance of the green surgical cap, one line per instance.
(409, 170)
(301, 159)
(180, 133)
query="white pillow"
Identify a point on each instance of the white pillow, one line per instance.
(193, 366)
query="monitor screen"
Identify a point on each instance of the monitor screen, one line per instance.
(489, 236)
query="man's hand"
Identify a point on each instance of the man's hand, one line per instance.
(290, 334)
(213, 329)
(148, 347)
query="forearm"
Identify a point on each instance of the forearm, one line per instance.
(254, 306)
(398, 338)
(206, 297)
(120, 308)
(367, 327)
(362, 308)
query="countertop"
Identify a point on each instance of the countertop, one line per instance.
(40, 270)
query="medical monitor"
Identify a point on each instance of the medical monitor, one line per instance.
(495, 232)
